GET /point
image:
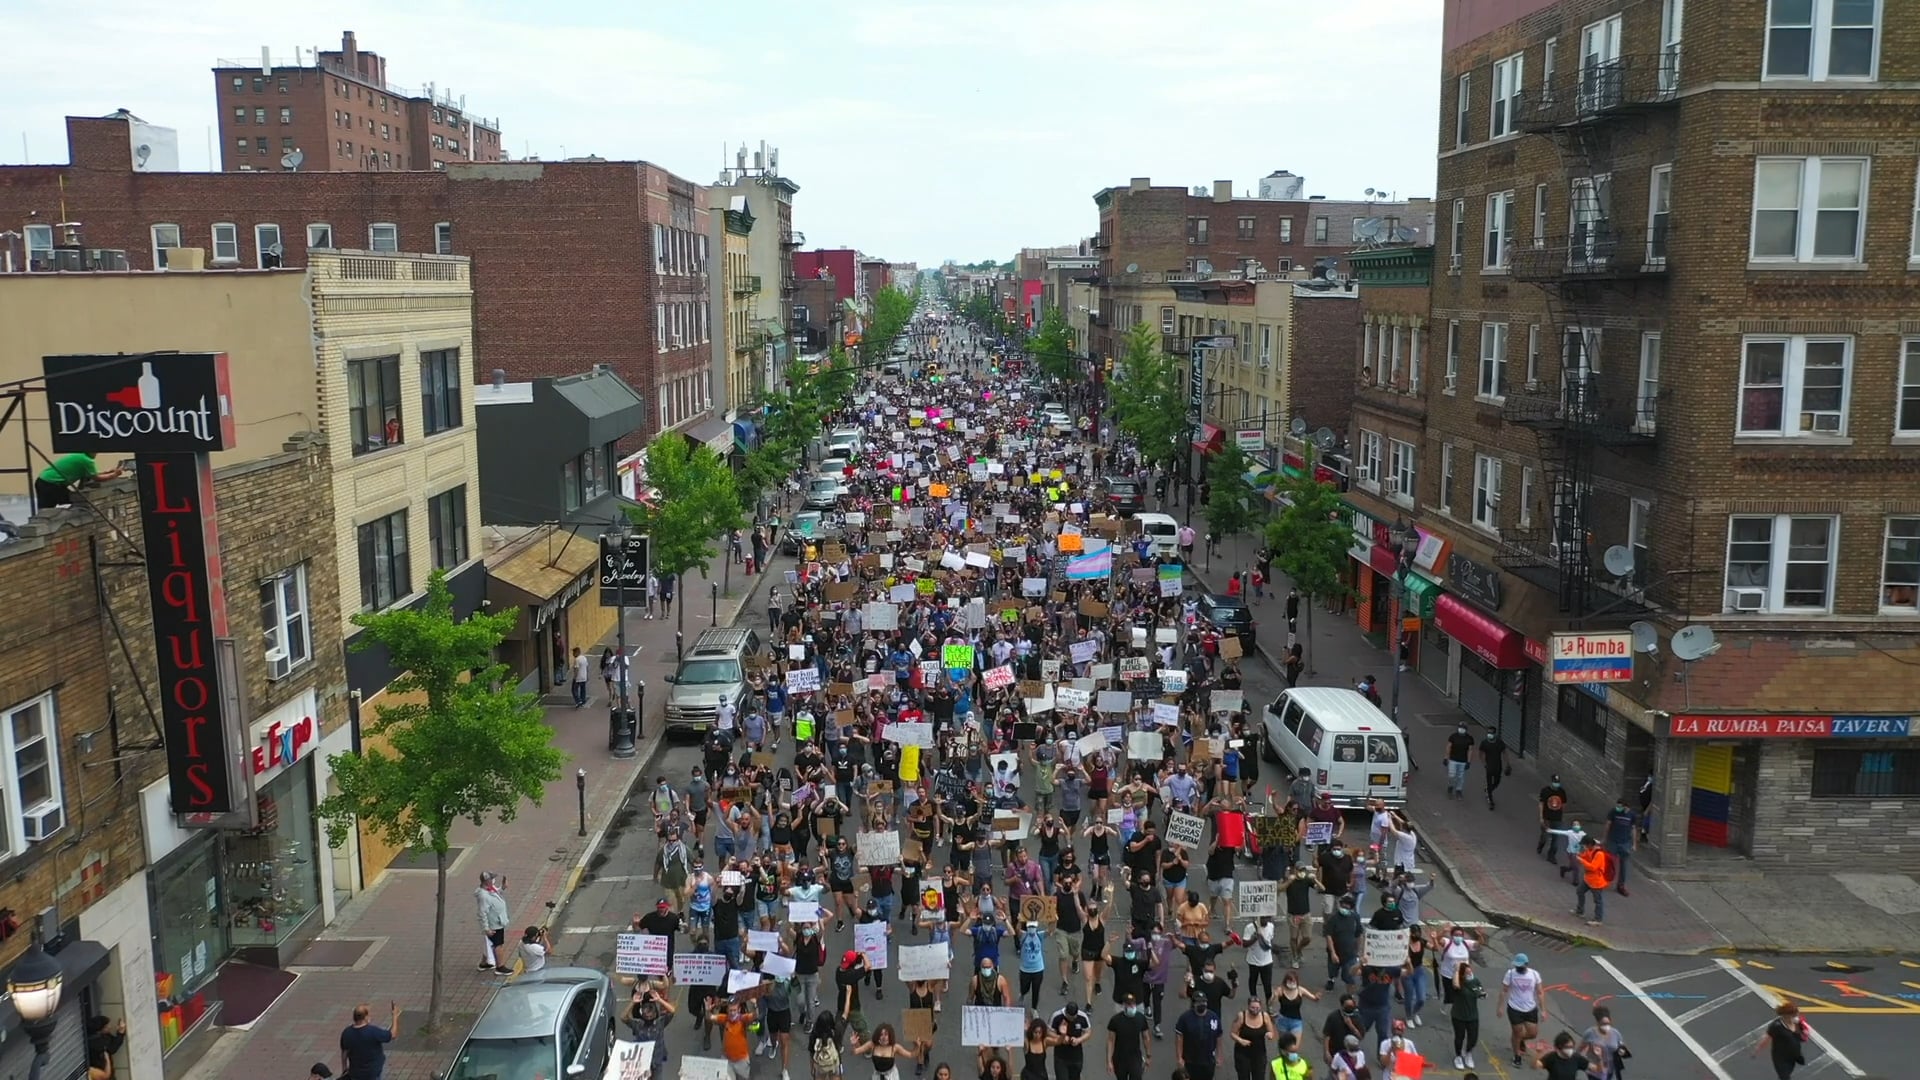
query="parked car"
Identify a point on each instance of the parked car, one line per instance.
(555, 1023)
(823, 493)
(805, 525)
(1230, 614)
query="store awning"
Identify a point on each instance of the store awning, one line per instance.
(714, 433)
(746, 436)
(1422, 594)
(546, 574)
(1210, 440)
(1483, 635)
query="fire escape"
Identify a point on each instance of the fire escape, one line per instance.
(1606, 268)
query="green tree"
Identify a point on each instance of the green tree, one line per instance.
(1309, 538)
(696, 503)
(467, 747)
(1230, 499)
(1052, 347)
(1146, 397)
(889, 312)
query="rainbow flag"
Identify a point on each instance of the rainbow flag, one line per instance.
(1085, 567)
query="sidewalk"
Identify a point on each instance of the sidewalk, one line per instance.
(541, 852)
(1490, 857)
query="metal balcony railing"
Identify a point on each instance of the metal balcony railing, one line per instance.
(1599, 251)
(1597, 90)
(1578, 408)
(746, 284)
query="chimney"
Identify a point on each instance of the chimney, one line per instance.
(1139, 183)
(499, 378)
(349, 52)
(1223, 191)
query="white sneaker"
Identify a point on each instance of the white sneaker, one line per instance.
(1470, 1063)
(1458, 1063)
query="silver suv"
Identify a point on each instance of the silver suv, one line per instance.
(713, 671)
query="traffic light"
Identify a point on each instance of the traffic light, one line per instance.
(1109, 365)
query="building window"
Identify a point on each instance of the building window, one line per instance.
(386, 573)
(1370, 444)
(1600, 81)
(165, 239)
(1659, 210)
(1639, 514)
(383, 237)
(1866, 774)
(240, 114)
(1453, 356)
(1539, 215)
(286, 114)
(260, 116)
(226, 243)
(239, 84)
(283, 86)
(447, 527)
(1508, 75)
(1166, 319)
(266, 246)
(1446, 478)
(1493, 361)
(39, 241)
(1647, 395)
(440, 390)
(373, 403)
(1533, 356)
(1525, 516)
(240, 144)
(1286, 229)
(1245, 230)
(1457, 255)
(1809, 209)
(320, 236)
(1821, 39)
(1794, 386)
(283, 620)
(443, 238)
(1486, 492)
(1900, 567)
(1196, 230)
(1319, 230)
(1499, 229)
(1414, 346)
(1579, 713)
(1403, 480)
(1779, 563)
(1463, 102)
(260, 146)
(32, 804)
(1549, 67)
(1906, 412)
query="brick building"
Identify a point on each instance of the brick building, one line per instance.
(1746, 205)
(575, 263)
(342, 115)
(840, 264)
(89, 829)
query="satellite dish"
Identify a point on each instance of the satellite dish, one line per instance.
(1133, 268)
(292, 159)
(1369, 192)
(142, 152)
(1203, 266)
(1646, 639)
(1325, 438)
(1298, 427)
(1691, 643)
(1618, 560)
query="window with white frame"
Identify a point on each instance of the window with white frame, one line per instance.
(1486, 492)
(1646, 398)
(1462, 104)
(1367, 366)
(1525, 515)
(1639, 517)
(1906, 408)
(1266, 344)
(1493, 360)
(1913, 251)
(1539, 215)
(1533, 356)
(1659, 211)
(1446, 478)
(1453, 356)
(1900, 567)
(1822, 39)
(1508, 75)
(283, 620)
(1809, 209)
(383, 236)
(1286, 230)
(1780, 563)
(1393, 356)
(1499, 229)
(1415, 344)
(1672, 23)
(659, 325)
(1403, 469)
(39, 240)
(1370, 459)
(267, 251)
(1549, 67)
(443, 238)
(1166, 319)
(1600, 82)
(1457, 254)
(659, 249)
(1794, 386)
(1569, 514)
(319, 236)
(32, 802)
(226, 242)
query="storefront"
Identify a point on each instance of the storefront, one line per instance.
(1499, 667)
(545, 579)
(82, 963)
(231, 909)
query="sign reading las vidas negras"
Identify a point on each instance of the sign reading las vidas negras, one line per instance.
(170, 410)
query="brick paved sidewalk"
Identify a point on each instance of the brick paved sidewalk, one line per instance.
(539, 851)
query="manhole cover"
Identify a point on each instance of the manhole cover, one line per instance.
(421, 858)
(1840, 967)
(333, 952)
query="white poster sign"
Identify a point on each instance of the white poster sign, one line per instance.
(871, 940)
(640, 954)
(699, 969)
(1185, 829)
(984, 1025)
(1257, 898)
(1385, 948)
(879, 848)
(924, 963)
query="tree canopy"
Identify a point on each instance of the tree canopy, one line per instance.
(1146, 396)
(696, 503)
(1052, 347)
(1232, 505)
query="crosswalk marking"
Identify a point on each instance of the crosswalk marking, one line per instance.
(1662, 980)
(1819, 1040)
(1687, 1040)
(1699, 1011)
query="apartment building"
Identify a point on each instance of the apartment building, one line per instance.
(1672, 383)
(336, 111)
(771, 320)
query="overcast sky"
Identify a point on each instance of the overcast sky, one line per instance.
(917, 130)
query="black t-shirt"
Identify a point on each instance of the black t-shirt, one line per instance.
(1300, 895)
(660, 922)
(808, 954)
(1784, 1043)
(843, 979)
(1553, 803)
(1220, 864)
(726, 918)
(1065, 905)
(1201, 1035)
(1143, 902)
(1571, 1067)
(1072, 1027)
(365, 1050)
(1144, 859)
(1129, 977)
(1214, 989)
(1338, 1026)
(1459, 746)
(1128, 1031)
(1336, 871)
(1494, 749)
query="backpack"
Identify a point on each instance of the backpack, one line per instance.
(826, 1058)
(1610, 866)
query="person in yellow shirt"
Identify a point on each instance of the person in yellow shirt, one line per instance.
(1291, 1064)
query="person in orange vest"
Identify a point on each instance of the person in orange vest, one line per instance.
(1596, 873)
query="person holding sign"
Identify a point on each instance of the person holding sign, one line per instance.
(882, 1050)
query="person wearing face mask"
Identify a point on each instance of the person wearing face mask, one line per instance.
(1250, 1032)
(1033, 962)
(1128, 1051)
(1392, 1048)
(1129, 972)
(1562, 1062)
(1464, 1011)
(1459, 758)
(1342, 929)
(1340, 1025)
(809, 956)
(988, 987)
(1523, 997)
(1622, 841)
(1553, 810)
(1287, 1002)
(698, 895)
(1454, 951)
(1603, 1046)
(1290, 1065)
(1196, 1038)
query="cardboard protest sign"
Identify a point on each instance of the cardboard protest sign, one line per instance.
(640, 954)
(1257, 898)
(878, 848)
(1185, 830)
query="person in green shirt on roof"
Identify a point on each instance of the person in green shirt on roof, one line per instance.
(56, 482)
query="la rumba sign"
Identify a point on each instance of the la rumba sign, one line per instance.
(1591, 657)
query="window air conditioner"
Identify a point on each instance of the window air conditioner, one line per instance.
(1393, 485)
(1453, 383)
(1455, 260)
(42, 822)
(1747, 599)
(276, 655)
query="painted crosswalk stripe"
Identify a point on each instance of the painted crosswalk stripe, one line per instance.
(1711, 969)
(1727, 998)
(1687, 1040)
(1832, 1051)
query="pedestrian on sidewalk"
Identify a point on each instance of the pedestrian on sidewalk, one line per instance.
(491, 900)
(1593, 877)
(1493, 755)
(1553, 809)
(1295, 664)
(581, 666)
(1459, 758)
(363, 1044)
(1621, 841)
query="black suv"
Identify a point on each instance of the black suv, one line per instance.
(1125, 496)
(1230, 614)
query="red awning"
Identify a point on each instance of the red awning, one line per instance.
(1211, 441)
(1483, 635)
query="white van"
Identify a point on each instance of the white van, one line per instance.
(1162, 532)
(1355, 751)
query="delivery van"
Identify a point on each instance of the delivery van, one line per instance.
(1354, 751)
(1162, 532)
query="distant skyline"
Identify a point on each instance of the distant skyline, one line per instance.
(918, 130)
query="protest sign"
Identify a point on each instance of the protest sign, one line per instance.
(922, 963)
(1091, 743)
(1257, 898)
(1227, 701)
(763, 941)
(998, 678)
(775, 965)
(1319, 832)
(1145, 745)
(699, 969)
(804, 911)
(1069, 698)
(985, 1025)
(1164, 713)
(803, 680)
(640, 954)
(1115, 701)
(871, 940)
(916, 734)
(1385, 948)
(1185, 829)
(879, 848)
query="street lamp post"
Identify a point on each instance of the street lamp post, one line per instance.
(623, 725)
(1406, 540)
(33, 987)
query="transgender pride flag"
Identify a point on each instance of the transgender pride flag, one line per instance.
(1085, 567)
